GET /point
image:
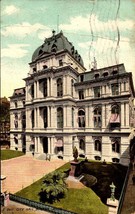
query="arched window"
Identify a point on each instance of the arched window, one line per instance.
(59, 87)
(96, 76)
(116, 146)
(98, 145)
(82, 145)
(45, 87)
(97, 117)
(72, 117)
(45, 117)
(59, 117)
(16, 121)
(81, 118)
(32, 119)
(105, 74)
(115, 116)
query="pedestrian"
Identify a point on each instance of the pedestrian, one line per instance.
(33, 153)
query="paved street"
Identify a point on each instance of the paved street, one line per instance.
(24, 170)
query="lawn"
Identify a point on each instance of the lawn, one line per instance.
(8, 154)
(77, 200)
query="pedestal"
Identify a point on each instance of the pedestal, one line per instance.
(75, 169)
(113, 206)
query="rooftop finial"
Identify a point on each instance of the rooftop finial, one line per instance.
(94, 64)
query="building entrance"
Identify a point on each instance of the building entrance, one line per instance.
(45, 145)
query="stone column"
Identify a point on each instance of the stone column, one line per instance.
(48, 116)
(35, 118)
(87, 116)
(90, 116)
(127, 114)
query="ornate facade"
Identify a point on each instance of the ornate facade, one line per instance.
(62, 105)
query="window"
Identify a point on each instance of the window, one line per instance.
(32, 119)
(97, 158)
(72, 87)
(81, 118)
(54, 48)
(116, 146)
(60, 117)
(45, 88)
(32, 91)
(105, 74)
(97, 145)
(60, 62)
(16, 121)
(15, 104)
(115, 116)
(81, 95)
(45, 66)
(97, 92)
(82, 145)
(23, 120)
(115, 72)
(34, 70)
(81, 77)
(23, 102)
(115, 89)
(97, 117)
(115, 160)
(16, 138)
(59, 87)
(72, 117)
(96, 76)
(45, 117)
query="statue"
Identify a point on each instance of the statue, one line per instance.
(75, 153)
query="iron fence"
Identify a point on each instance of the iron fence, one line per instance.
(38, 205)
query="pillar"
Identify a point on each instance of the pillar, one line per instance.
(35, 90)
(48, 87)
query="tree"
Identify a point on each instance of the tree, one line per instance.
(54, 187)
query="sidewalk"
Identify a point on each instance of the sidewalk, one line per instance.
(24, 170)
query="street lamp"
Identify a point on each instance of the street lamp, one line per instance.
(112, 186)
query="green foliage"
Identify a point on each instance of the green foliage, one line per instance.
(54, 187)
(4, 111)
(105, 174)
(8, 154)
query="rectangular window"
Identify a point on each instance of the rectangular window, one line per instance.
(81, 95)
(115, 89)
(60, 62)
(97, 92)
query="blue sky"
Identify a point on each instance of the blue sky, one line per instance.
(104, 29)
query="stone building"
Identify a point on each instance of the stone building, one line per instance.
(62, 105)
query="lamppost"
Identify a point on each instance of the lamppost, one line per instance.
(112, 186)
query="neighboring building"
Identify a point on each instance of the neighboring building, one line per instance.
(64, 106)
(4, 123)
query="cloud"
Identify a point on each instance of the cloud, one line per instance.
(81, 23)
(14, 51)
(11, 9)
(24, 29)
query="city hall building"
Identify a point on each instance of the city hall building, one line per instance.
(62, 105)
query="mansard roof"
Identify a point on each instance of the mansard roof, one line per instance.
(55, 44)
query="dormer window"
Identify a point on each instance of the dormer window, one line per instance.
(114, 72)
(45, 66)
(72, 50)
(40, 52)
(34, 70)
(60, 62)
(54, 48)
(96, 76)
(105, 74)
